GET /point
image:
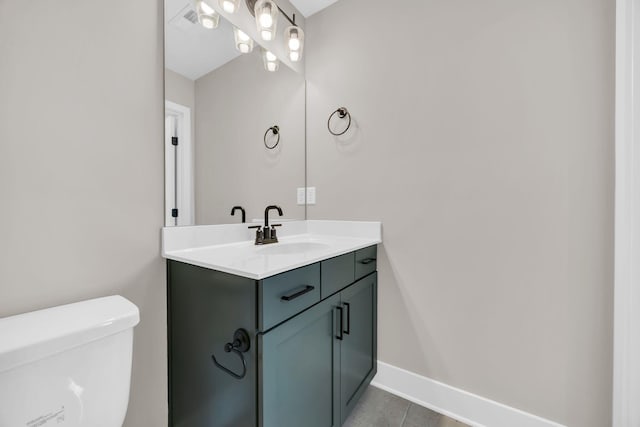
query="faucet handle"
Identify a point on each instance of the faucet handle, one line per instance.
(259, 235)
(273, 234)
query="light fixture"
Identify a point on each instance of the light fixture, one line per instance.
(207, 16)
(266, 13)
(295, 42)
(244, 43)
(229, 6)
(271, 62)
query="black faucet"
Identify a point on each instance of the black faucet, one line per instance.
(244, 215)
(268, 235)
(266, 214)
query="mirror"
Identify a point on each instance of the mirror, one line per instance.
(222, 109)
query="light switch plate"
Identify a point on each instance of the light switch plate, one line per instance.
(311, 195)
(301, 195)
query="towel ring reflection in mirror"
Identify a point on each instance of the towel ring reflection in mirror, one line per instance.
(342, 112)
(275, 130)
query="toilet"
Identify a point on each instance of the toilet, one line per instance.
(67, 366)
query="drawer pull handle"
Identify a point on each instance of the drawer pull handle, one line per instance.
(348, 306)
(340, 331)
(241, 344)
(301, 292)
(367, 261)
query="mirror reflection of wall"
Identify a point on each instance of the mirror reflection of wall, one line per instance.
(220, 103)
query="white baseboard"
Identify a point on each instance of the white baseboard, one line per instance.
(458, 404)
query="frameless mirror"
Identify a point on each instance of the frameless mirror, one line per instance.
(234, 131)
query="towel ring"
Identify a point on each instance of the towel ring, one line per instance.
(342, 112)
(241, 344)
(275, 130)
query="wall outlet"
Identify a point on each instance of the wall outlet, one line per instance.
(311, 195)
(301, 195)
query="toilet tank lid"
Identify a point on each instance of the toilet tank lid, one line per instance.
(28, 337)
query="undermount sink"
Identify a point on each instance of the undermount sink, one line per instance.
(292, 248)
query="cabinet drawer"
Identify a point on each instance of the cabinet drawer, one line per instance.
(337, 273)
(285, 295)
(366, 261)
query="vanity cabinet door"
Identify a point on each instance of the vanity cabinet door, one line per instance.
(299, 381)
(358, 355)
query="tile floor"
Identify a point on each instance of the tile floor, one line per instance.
(377, 408)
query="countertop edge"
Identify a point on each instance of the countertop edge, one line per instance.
(259, 276)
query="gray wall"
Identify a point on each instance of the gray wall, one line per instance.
(235, 105)
(484, 143)
(180, 90)
(81, 168)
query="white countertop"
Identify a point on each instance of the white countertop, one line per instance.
(231, 249)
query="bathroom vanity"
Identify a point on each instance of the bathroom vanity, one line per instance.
(282, 335)
(261, 334)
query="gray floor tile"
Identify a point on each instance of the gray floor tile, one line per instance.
(417, 416)
(448, 422)
(377, 408)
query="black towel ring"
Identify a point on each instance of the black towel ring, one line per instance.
(342, 112)
(275, 130)
(241, 344)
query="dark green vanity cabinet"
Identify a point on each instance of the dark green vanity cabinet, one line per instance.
(300, 373)
(358, 352)
(312, 352)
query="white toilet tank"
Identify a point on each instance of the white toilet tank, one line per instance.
(67, 366)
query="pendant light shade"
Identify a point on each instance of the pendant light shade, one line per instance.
(244, 43)
(266, 13)
(294, 37)
(271, 62)
(229, 6)
(207, 16)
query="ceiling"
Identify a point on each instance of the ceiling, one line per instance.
(190, 49)
(309, 7)
(193, 51)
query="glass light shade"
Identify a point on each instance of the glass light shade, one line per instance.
(210, 22)
(229, 6)
(204, 8)
(266, 13)
(207, 16)
(295, 42)
(272, 66)
(244, 43)
(271, 62)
